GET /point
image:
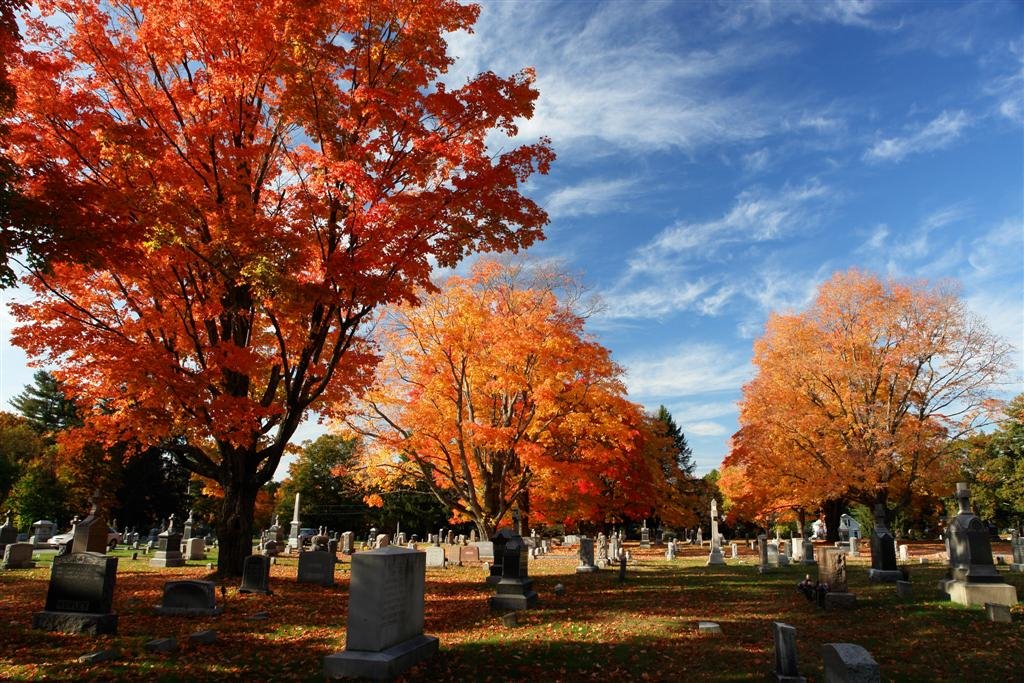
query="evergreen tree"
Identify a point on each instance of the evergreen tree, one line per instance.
(684, 455)
(39, 494)
(45, 406)
(326, 498)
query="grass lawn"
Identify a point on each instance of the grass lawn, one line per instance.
(644, 629)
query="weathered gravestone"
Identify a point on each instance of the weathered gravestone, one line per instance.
(975, 579)
(645, 536)
(470, 553)
(883, 550)
(346, 543)
(8, 534)
(602, 550)
(187, 533)
(256, 575)
(18, 556)
(904, 552)
(808, 548)
(316, 566)
(786, 669)
(832, 571)
(762, 552)
(189, 599)
(168, 548)
(195, 549)
(385, 616)
(586, 552)
(80, 595)
(735, 551)
(434, 556)
(849, 663)
(1017, 544)
(515, 590)
(670, 552)
(42, 531)
(773, 553)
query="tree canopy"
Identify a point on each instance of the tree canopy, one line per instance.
(235, 190)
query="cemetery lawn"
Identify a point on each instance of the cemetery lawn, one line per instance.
(599, 629)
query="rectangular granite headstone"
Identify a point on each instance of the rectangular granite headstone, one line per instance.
(316, 566)
(80, 595)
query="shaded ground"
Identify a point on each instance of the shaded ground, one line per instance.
(644, 629)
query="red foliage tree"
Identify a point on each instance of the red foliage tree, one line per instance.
(237, 186)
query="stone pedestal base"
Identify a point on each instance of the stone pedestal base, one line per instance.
(715, 557)
(514, 595)
(493, 580)
(885, 575)
(809, 562)
(163, 559)
(380, 666)
(840, 600)
(1019, 568)
(75, 622)
(586, 569)
(979, 593)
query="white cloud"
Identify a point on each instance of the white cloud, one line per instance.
(765, 13)
(685, 371)
(653, 302)
(998, 253)
(590, 197)
(938, 133)
(706, 429)
(756, 161)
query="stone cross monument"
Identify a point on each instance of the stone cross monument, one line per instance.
(715, 557)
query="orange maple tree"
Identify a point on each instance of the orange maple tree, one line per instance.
(491, 393)
(235, 187)
(859, 396)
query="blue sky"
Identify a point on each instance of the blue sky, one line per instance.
(717, 161)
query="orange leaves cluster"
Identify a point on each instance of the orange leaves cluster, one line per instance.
(492, 394)
(859, 395)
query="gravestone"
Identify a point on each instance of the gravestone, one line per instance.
(832, 568)
(272, 548)
(735, 551)
(762, 552)
(42, 531)
(883, 550)
(904, 589)
(321, 541)
(613, 549)
(1017, 544)
(90, 534)
(189, 599)
(346, 543)
(809, 553)
(670, 552)
(256, 575)
(773, 553)
(187, 533)
(296, 526)
(385, 616)
(80, 596)
(515, 589)
(168, 548)
(18, 556)
(849, 663)
(195, 549)
(975, 580)
(602, 550)
(645, 536)
(316, 566)
(586, 553)
(715, 557)
(854, 546)
(470, 553)
(904, 552)
(434, 556)
(498, 555)
(998, 613)
(786, 669)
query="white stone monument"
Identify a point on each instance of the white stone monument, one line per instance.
(715, 557)
(293, 533)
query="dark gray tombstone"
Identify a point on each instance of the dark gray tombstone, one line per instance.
(786, 668)
(883, 550)
(515, 590)
(256, 575)
(645, 537)
(586, 553)
(762, 553)
(168, 548)
(975, 580)
(80, 595)
(498, 545)
(189, 599)
(316, 566)
(849, 663)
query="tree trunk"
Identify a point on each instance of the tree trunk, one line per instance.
(833, 508)
(801, 515)
(234, 527)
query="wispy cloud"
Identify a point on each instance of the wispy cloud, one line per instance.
(938, 133)
(766, 13)
(590, 197)
(687, 370)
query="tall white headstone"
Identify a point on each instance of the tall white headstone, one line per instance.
(293, 533)
(715, 557)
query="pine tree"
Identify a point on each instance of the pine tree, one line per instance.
(672, 430)
(45, 406)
